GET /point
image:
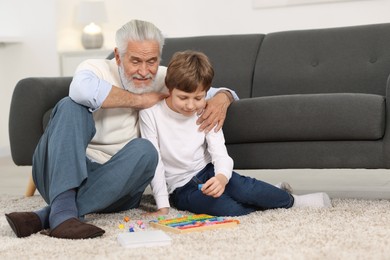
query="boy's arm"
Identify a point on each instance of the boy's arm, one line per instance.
(158, 184)
(223, 164)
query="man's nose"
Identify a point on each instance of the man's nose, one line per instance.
(142, 69)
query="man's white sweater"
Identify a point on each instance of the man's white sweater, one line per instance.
(115, 127)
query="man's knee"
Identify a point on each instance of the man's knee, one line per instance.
(146, 150)
(71, 107)
(71, 114)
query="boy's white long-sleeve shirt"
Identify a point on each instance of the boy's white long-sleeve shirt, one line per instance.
(183, 149)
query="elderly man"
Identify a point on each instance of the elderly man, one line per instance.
(90, 158)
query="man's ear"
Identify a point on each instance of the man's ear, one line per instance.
(117, 56)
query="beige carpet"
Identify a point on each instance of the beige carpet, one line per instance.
(352, 229)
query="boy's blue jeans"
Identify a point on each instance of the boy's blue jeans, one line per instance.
(242, 196)
(60, 164)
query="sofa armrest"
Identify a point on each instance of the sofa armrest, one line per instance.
(386, 138)
(31, 99)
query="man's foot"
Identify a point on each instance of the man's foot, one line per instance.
(24, 224)
(75, 229)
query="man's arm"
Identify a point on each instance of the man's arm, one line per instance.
(121, 98)
(215, 112)
(89, 90)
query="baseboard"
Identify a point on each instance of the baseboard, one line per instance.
(338, 183)
(5, 151)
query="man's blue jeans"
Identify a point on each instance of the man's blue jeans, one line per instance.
(60, 164)
(242, 196)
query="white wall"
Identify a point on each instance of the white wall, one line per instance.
(205, 17)
(35, 55)
(49, 26)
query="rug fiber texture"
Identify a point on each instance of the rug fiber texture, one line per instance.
(351, 229)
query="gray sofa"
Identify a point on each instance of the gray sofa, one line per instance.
(309, 98)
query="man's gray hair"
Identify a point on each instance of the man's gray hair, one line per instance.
(137, 30)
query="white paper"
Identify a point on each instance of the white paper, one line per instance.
(144, 239)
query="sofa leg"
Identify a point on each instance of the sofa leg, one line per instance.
(30, 187)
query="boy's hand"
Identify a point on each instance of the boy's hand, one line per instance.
(159, 212)
(215, 186)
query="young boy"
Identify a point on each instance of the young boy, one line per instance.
(195, 172)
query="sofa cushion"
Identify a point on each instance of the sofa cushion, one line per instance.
(233, 57)
(310, 117)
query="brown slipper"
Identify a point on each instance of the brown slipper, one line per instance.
(75, 229)
(24, 224)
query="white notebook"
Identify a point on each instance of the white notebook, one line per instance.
(144, 239)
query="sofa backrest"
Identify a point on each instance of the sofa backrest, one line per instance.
(233, 57)
(348, 59)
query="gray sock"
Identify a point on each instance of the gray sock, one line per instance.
(43, 215)
(63, 208)
(284, 186)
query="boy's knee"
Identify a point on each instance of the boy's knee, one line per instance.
(232, 209)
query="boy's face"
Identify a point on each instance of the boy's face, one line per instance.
(185, 103)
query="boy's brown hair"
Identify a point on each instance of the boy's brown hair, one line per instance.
(189, 70)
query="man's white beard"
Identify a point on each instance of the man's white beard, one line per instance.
(128, 83)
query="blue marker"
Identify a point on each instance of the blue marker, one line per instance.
(200, 186)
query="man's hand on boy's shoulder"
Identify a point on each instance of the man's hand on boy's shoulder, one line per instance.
(214, 114)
